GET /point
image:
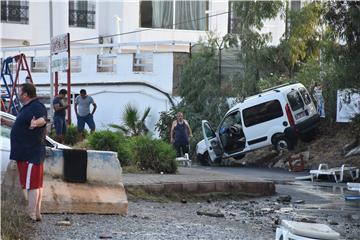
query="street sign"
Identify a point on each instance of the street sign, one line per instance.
(59, 49)
(59, 43)
(59, 62)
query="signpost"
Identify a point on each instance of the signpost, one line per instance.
(60, 61)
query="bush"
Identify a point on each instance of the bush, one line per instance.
(72, 135)
(155, 155)
(105, 140)
(111, 141)
(165, 122)
(124, 152)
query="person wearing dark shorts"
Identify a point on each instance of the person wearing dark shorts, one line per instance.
(59, 115)
(82, 110)
(180, 134)
(27, 141)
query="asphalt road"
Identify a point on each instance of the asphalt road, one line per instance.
(273, 174)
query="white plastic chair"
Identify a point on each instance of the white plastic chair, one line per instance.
(305, 231)
(353, 186)
(335, 172)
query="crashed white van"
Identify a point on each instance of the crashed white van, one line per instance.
(276, 117)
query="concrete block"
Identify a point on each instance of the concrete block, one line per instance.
(62, 197)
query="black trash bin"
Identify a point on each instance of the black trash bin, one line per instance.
(75, 165)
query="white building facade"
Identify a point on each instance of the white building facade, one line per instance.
(121, 51)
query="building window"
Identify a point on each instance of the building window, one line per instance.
(189, 15)
(75, 64)
(295, 5)
(106, 64)
(143, 62)
(15, 12)
(39, 64)
(82, 14)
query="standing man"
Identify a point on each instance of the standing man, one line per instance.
(60, 107)
(83, 112)
(181, 128)
(28, 147)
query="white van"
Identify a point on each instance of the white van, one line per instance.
(276, 117)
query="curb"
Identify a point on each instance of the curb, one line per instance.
(256, 189)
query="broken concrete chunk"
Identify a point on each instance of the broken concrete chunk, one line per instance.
(63, 223)
(284, 198)
(105, 237)
(210, 213)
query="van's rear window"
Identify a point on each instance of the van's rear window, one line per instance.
(295, 100)
(305, 96)
(262, 113)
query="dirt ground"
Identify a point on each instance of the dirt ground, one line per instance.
(328, 146)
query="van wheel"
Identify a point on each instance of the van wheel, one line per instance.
(281, 144)
(207, 159)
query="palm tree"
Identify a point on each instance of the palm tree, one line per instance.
(133, 125)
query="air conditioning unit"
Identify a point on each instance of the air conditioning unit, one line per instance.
(101, 40)
(105, 40)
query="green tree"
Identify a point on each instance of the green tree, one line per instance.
(343, 18)
(251, 16)
(133, 124)
(299, 50)
(201, 94)
(305, 37)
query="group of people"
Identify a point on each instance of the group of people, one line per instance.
(28, 134)
(82, 110)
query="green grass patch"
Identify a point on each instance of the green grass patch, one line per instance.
(15, 224)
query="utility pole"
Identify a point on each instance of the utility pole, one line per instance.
(220, 48)
(50, 59)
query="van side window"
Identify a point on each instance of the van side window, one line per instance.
(305, 95)
(295, 100)
(262, 112)
(209, 132)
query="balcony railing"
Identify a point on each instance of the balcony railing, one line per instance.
(82, 18)
(11, 13)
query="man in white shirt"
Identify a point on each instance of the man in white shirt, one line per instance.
(82, 110)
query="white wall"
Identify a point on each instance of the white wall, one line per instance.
(161, 77)
(111, 104)
(37, 31)
(112, 99)
(276, 27)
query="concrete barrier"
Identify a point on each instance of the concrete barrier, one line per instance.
(102, 166)
(103, 192)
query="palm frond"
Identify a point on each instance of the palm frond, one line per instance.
(118, 127)
(130, 116)
(146, 113)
